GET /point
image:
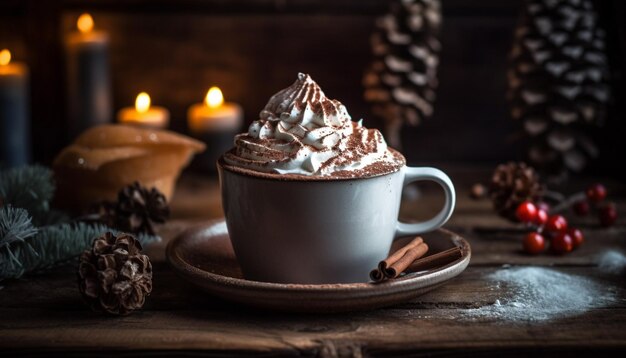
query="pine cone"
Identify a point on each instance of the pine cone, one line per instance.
(511, 184)
(558, 82)
(113, 276)
(401, 81)
(139, 208)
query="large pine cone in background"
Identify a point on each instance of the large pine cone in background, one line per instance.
(400, 83)
(558, 82)
(113, 276)
(511, 184)
(139, 208)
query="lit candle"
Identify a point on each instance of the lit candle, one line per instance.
(214, 114)
(88, 81)
(144, 114)
(14, 115)
(215, 122)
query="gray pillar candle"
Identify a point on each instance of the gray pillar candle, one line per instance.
(214, 122)
(14, 115)
(88, 81)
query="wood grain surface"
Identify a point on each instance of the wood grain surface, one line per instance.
(44, 315)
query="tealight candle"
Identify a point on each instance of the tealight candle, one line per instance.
(144, 114)
(215, 122)
(88, 81)
(14, 116)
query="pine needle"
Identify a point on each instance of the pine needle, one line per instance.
(15, 228)
(15, 225)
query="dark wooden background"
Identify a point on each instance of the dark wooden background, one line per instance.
(176, 49)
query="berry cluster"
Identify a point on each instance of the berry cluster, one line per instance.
(594, 198)
(563, 238)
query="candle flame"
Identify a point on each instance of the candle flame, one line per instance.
(214, 97)
(5, 57)
(85, 23)
(142, 103)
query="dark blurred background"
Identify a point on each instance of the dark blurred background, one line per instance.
(176, 49)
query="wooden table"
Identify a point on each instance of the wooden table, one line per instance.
(44, 314)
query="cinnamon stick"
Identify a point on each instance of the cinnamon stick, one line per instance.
(382, 266)
(406, 260)
(436, 260)
(427, 263)
(397, 262)
(376, 275)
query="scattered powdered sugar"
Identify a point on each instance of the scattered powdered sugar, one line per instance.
(540, 294)
(612, 261)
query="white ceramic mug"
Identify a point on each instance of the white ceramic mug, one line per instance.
(314, 231)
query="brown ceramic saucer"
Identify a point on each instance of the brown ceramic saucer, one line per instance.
(204, 256)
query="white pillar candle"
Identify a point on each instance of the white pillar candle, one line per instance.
(144, 114)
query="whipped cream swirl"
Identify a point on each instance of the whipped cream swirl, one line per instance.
(301, 131)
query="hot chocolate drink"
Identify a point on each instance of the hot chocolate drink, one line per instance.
(312, 197)
(303, 133)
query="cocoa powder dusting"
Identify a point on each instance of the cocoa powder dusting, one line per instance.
(310, 149)
(373, 170)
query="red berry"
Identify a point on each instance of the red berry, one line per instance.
(581, 208)
(534, 243)
(596, 193)
(526, 212)
(607, 215)
(577, 237)
(542, 205)
(556, 223)
(541, 218)
(562, 243)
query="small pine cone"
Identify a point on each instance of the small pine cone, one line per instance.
(139, 208)
(511, 184)
(113, 276)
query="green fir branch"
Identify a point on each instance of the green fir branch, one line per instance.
(53, 245)
(30, 188)
(32, 236)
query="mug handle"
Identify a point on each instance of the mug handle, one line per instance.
(426, 173)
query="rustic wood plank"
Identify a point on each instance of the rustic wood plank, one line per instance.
(57, 291)
(170, 293)
(393, 330)
(48, 313)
